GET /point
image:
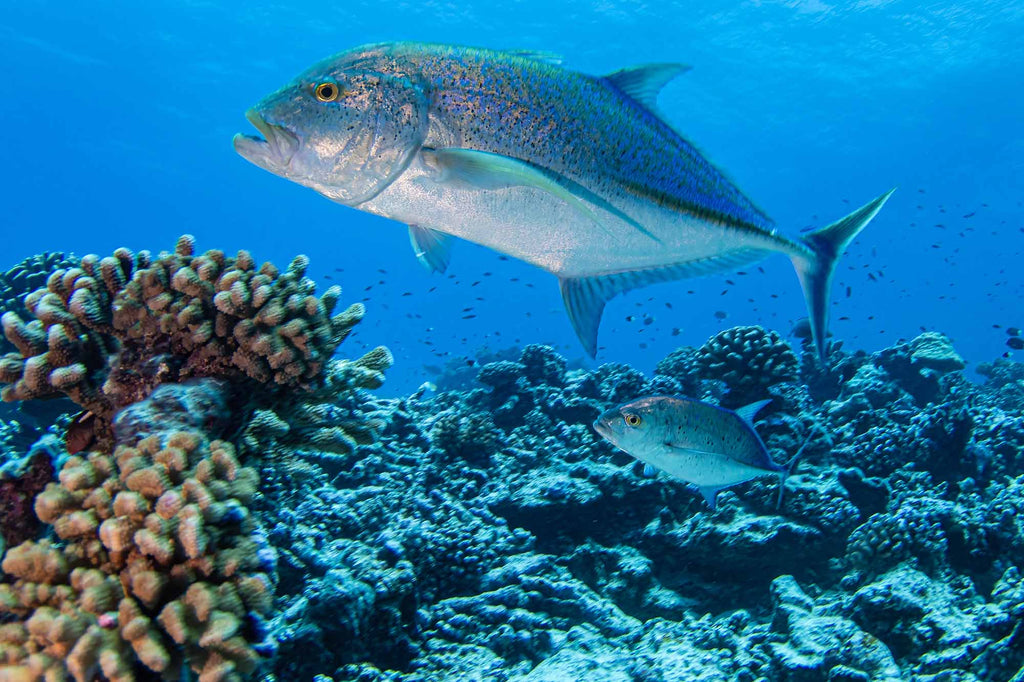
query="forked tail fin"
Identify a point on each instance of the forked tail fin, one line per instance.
(815, 271)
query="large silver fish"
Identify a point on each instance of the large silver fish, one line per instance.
(576, 174)
(703, 444)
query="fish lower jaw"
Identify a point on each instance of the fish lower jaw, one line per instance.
(272, 150)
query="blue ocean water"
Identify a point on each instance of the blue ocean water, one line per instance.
(118, 119)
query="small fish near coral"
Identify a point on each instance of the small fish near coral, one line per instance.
(700, 443)
(576, 174)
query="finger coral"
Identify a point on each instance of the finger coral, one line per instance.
(158, 566)
(24, 278)
(166, 318)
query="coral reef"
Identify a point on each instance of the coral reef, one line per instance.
(157, 562)
(748, 360)
(24, 278)
(169, 318)
(159, 559)
(489, 534)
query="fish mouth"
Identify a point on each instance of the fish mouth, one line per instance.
(602, 428)
(273, 150)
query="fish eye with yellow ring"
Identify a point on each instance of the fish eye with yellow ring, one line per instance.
(632, 419)
(327, 91)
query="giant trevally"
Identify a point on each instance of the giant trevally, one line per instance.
(700, 443)
(576, 174)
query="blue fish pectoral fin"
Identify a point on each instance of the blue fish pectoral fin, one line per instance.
(710, 494)
(815, 269)
(585, 297)
(748, 412)
(432, 248)
(643, 82)
(649, 471)
(489, 171)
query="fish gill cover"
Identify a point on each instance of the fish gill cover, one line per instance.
(229, 501)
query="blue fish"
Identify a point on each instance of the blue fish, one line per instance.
(576, 174)
(700, 443)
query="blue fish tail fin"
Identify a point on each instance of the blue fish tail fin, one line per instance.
(789, 467)
(816, 269)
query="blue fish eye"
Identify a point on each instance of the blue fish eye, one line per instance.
(327, 91)
(632, 419)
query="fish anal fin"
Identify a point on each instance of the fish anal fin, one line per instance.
(748, 412)
(585, 297)
(643, 82)
(431, 247)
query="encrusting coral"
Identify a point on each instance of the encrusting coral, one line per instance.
(169, 318)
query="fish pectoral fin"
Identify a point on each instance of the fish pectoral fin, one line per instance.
(432, 248)
(488, 171)
(687, 450)
(649, 471)
(643, 82)
(748, 412)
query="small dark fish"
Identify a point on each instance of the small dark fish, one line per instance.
(1013, 331)
(1015, 342)
(80, 434)
(720, 315)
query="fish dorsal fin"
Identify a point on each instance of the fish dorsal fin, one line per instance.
(585, 297)
(748, 412)
(644, 81)
(432, 248)
(552, 58)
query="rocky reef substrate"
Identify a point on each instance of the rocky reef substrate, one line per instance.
(250, 513)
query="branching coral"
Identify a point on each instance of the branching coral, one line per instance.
(168, 318)
(24, 278)
(159, 565)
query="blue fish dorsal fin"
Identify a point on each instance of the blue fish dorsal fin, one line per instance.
(552, 58)
(748, 412)
(432, 248)
(585, 297)
(644, 81)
